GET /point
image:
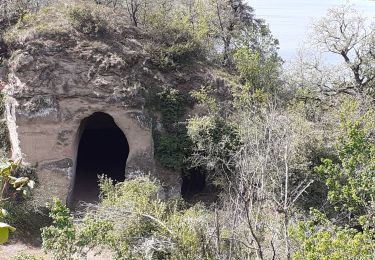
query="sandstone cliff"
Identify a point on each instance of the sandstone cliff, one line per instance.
(63, 68)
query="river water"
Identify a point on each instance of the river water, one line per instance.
(290, 20)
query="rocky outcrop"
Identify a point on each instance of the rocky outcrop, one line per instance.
(51, 87)
(54, 80)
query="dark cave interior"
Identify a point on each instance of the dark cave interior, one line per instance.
(103, 149)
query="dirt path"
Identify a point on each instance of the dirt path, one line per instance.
(13, 249)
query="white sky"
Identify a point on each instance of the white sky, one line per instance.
(289, 20)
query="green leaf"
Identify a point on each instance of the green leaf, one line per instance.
(3, 213)
(4, 232)
(19, 182)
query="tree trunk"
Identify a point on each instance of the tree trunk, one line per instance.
(286, 235)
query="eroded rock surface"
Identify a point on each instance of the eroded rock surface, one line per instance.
(54, 80)
(52, 85)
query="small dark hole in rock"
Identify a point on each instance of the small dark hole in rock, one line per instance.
(196, 188)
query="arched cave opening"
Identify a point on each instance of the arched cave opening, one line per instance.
(103, 149)
(195, 187)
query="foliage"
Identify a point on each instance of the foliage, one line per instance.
(351, 180)
(88, 21)
(24, 256)
(258, 71)
(344, 32)
(348, 36)
(63, 19)
(259, 153)
(173, 46)
(60, 237)
(320, 239)
(23, 213)
(172, 107)
(350, 187)
(172, 149)
(4, 231)
(37, 23)
(235, 26)
(5, 145)
(172, 145)
(133, 223)
(9, 187)
(28, 218)
(12, 10)
(214, 140)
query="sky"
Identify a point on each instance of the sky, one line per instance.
(290, 20)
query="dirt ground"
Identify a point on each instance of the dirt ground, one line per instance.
(13, 249)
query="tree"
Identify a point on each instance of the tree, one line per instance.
(133, 7)
(262, 165)
(345, 34)
(236, 25)
(351, 180)
(319, 238)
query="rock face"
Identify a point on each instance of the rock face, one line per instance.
(53, 85)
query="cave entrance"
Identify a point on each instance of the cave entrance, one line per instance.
(196, 188)
(103, 149)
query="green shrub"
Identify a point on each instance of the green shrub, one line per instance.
(60, 237)
(173, 46)
(214, 140)
(21, 212)
(172, 149)
(88, 21)
(320, 239)
(28, 219)
(172, 144)
(10, 187)
(350, 180)
(133, 223)
(24, 256)
(172, 108)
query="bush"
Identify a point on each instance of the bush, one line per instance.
(172, 108)
(88, 21)
(60, 237)
(24, 256)
(350, 180)
(172, 149)
(172, 144)
(320, 239)
(173, 46)
(214, 141)
(21, 212)
(133, 223)
(10, 187)
(28, 219)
